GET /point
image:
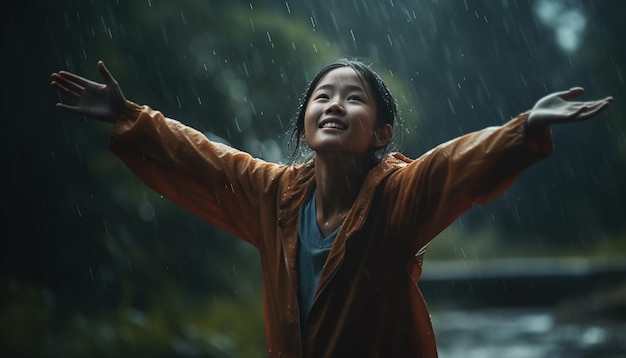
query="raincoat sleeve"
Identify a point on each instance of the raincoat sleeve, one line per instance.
(216, 182)
(435, 189)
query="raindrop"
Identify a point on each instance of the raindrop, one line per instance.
(280, 121)
(451, 106)
(245, 69)
(165, 39)
(523, 78)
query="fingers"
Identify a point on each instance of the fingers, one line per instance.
(596, 108)
(68, 76)
(65, 107)
(68, 88)
(571, 93)
(104, 72)
(65, 91)
(591, 109)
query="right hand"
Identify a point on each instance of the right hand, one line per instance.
(100, 101)
(559, 107)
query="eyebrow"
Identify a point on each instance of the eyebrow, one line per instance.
(350, 88)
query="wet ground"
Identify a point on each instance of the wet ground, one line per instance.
(524, 333)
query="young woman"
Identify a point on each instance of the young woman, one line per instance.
(341, 237)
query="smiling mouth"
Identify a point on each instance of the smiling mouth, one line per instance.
(333, 125)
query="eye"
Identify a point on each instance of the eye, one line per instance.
(322, 96)
(355, 98)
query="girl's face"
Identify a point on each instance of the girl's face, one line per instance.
(341, 116)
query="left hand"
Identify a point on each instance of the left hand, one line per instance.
(556, 108)
(101, 101)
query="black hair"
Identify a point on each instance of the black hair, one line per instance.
(386, 108)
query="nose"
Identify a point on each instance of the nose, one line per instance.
(334, 106)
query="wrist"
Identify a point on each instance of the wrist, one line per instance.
(533, 121)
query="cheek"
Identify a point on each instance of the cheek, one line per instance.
(307, 122)
(311, 115)
(305, 127)
(367, 123)
(363, 127)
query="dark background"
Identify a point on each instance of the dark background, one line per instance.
(93, 261)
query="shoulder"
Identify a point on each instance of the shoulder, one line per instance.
(390, 163)
(397, 159)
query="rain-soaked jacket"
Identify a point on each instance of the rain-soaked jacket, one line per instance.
(367, 303)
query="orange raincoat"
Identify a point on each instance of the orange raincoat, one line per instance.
(367, 303)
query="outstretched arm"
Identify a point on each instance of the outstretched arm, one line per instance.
(96, 100)
(557, 108)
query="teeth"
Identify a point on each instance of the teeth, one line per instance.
(333, 125)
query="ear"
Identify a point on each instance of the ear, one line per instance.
(382, 136)
(303, 137)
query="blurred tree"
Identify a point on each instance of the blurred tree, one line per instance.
(106, 243)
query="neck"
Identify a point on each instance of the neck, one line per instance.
(338, 180)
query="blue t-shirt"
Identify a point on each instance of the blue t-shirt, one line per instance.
(312, 253)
